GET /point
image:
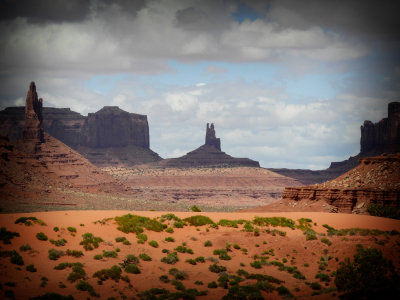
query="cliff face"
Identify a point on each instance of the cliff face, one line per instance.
(208, 155)
(374, 180)
(383, 136)
(110, 136)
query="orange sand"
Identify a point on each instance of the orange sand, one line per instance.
(294, 244)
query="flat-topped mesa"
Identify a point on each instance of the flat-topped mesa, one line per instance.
(33, 129)
(211, 139)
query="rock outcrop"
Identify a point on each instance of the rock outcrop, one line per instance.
(374, 180)
(32, 133)
(208, 155)
(381, 137)
(109, 137)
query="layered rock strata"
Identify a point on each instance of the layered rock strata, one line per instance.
(208, 155)
(109, 137)
(375, 180)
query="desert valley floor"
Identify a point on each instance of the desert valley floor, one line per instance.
(183, 254)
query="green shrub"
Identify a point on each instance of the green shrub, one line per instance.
(71, 229)
(153, 244)
(77, 273)
(132, 259)
(55, 254)
(120, 239)
(164, 278)
(132, 268)
(28, 221)
(326, 241)
(178, 275)
(144, 257)
(178, 224)
(25, 248)
(62, 266)
(199, 220)
(52, 296)
(113, 273)
(216, 268)
(98, 256)
(256, 264)
(169, 230)
(323, 277)
(169, 239)
(89, 241)
(171, 258)
(274, 221)
(6, 235)
(368, 275)
(284, 291)
(208, 244)
(236, 246)
(229, 223)
(315, 286)
(86, 286)
(60, 242)
(41, 236)
(178, 285)
(212, 285)
(198, 282)
(133, 223)
(310, 235)
(191, 261)
(126, 242)
(195, 208)
(170, 217)
(385, 211)
(200, 259)
(56, 229)
(31, 268)
(223, 255)
(110, 253)
(74, 253)
(183, 249)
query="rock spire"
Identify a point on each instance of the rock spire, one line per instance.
(33, 129)
(211, 139)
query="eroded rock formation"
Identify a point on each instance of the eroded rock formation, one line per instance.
(32, 133)
(374, 180)
(109, 137)
(208, 155)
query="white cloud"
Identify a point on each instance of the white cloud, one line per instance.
(181, 102)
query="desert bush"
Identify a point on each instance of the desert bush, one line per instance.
(223, 255)
(89, 241)
(385, 211)
(56, 229)
(274, 221)
(323, 277)
(133, 223)
(169, 230)
(86, 286)
(132, 268)
(326, 241)
(41, 236)
(132, 259)
(199, 220)
(284, 291)
(55, 254)
(60, 242)
(171, 258)
(28, 221)
(178, 274)
(195, 208)
(183, 249)
(208, 244)
(120, 239)
(216, 268)
(6, 236)
(98, 256)
(31, 268)
(153, 243)
(191, 261)
(212, 285)
(198, 282)
(178, 285)
(77, 273)
(164, 278)
(144, 257)
(315, 286)
(71, 229)
(113, 273)
(25, 248)
(236, 246)
(169, 239)
(368, 275)
(110, 253)
(200, 259)
(64, 265)
(228, 223)
(74, 253)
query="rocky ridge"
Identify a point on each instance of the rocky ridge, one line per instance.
(208, 155)
(374, 180)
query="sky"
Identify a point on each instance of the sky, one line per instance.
(286, 83)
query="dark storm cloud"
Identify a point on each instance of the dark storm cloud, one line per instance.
(377, 19)
(45, 10)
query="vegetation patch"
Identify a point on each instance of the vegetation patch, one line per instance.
(274, 221)
(178, 274)
(60, 242)
(134, 223)
(183, 249)
(113, 273)
(52, 296)
(77, 273)
(144, 257)
(132, 269)
(385, 211)
(171, 258)
(195, 208)
(89, 241)
(86, 286)
(153, 243)
(28, 221)
(230, 223)
(216, 268)
(25, 248)
(199, 220)
(74, 253)
(6, 236)
(64, 265)
(55, 254)
(110, 253)
(41, 236)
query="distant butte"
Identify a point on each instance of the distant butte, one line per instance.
(208, 155)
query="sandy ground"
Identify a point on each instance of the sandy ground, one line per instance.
(292, 247)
